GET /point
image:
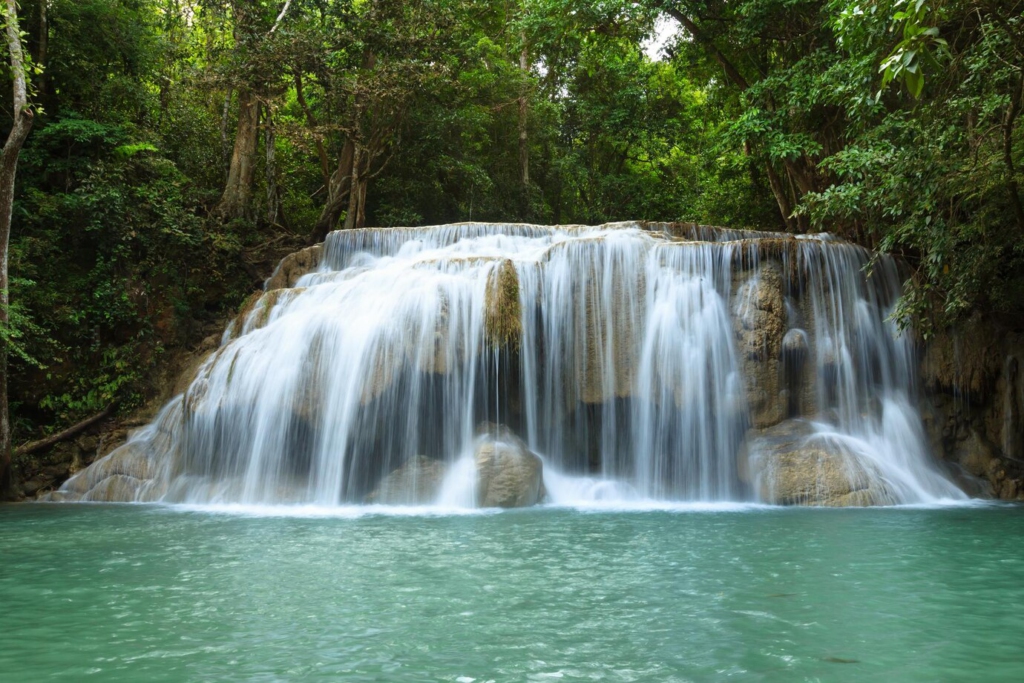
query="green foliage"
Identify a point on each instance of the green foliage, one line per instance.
(920, 47)
(104, 222)
(930, 171)
(17, 325)
(935, 178)
(776, 114)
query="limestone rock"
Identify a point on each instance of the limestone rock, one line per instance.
(417, 482)
(117, 478)
(966, 359)
(134, 472)
(31, 487)
(608, 302)
(294, 266)
(508, 474)
(117, 488)
(502, 323)
(759, 321)
(790, 465)
(977, 456)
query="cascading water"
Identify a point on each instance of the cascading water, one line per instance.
(641, 361)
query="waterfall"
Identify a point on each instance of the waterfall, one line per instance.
(640, 361)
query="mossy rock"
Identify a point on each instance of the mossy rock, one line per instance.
(503, 326)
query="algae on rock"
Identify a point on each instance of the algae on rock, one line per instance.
(502, 323)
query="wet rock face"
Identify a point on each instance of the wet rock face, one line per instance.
(503, 318)
(417, 482)
(134, 472)
(789, 465)
(759, 320)
(125, 476)
(972, 404)
(294, 266)
(508, 474)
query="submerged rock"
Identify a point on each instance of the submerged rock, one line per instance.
(789, 464)
(417, 482)
(508, 474)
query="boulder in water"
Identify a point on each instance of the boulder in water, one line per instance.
(417, 482)
(790, 464)
(508, 474)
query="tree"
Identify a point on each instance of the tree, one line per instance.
(253, 41)
(374, 62)
(23, 119)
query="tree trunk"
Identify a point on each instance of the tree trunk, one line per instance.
(785, 208)
(237, 196)
(524, 140)
(731, 72)
(68, 433)
(1011, 170)
(22, 124)
(270, 142)
(355, 217)
(44, 45)
(338, 189)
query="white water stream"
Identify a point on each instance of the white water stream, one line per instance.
(641, 362)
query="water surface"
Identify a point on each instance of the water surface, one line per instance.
(152, 593)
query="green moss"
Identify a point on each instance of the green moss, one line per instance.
(269, 301)
(503, 324)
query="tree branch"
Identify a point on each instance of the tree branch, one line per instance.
(71, 431)
(284, 10)
(730, 70)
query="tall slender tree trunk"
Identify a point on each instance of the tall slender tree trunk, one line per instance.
(237, 197)
(355, 217)
(23, 118)
(1011, 171)
(270, 142)
(524, 138)
(311, 121)
(225, 116)
(43, 49)
(781, 198)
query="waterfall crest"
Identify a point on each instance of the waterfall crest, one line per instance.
(640, 361)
